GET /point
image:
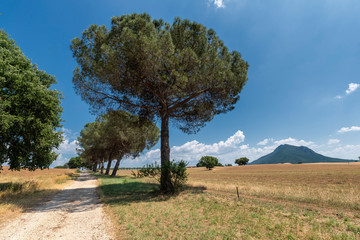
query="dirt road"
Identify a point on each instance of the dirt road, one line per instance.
(74, 213)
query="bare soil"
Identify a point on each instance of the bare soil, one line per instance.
(74, 213)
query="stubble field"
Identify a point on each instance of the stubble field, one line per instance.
(307, 201)
(21, 190)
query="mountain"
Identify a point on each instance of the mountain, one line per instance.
(292, 154)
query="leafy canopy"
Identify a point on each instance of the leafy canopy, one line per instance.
(242, 161)
(209, 162)
(148, 66)
(29, 111)
(75, 162)
(117, 134)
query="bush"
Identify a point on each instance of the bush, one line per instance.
(61, 167)
(242, 161)
(209, 162)
(177, 172)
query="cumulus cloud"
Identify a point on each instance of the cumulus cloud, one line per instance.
(67, 148)
(348, 129)
(345, 152)
(218, 3)
(295, 142)
(226, 151)
(333, 141)
(265, 141)
(351, 88)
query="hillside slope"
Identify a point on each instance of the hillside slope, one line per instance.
(292, 154)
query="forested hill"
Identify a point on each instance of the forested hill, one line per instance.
(293, 154)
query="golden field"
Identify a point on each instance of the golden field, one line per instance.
(302, 201)
(21, 190)
(333, 184)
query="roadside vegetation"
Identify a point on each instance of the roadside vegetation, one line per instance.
(23, 190)
(308, 201)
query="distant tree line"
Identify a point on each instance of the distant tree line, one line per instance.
(113, 136)
(210, 162)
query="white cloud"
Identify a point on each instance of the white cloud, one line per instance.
(349, 129)
(265, 141)
(226, 151)
(333, 141)
(352, 88)
(295, 142)
(344, 152)
(218, 3)
(67, 148)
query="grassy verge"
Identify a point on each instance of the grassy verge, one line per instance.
(23, 190)
(141, 213)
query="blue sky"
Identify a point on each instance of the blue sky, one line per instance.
(303, 82)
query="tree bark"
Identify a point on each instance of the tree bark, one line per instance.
(102, 165)
(108, 165)
(94, 167)
(113, 174)
(166, 185)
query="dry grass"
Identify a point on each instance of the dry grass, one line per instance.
(335, 185)
(308, 201)
(21, 190)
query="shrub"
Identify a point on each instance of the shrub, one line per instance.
(177, 172)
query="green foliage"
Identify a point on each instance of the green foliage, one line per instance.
(29, 111)
(208, 161)
(242, 161)
(61, 167)
(180, 72)
(75, 162)
(177, 171)
(228, 165)
(115, 135)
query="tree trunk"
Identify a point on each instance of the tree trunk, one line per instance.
(94, 167)
(166, 185)
(108, 165)
(113, 174)
(102, 165)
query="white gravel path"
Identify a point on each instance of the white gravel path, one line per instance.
(74, 213)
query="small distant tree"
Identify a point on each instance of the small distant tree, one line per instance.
(242, 161)
(208, 161)
(75, 162)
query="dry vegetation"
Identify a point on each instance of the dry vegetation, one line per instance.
(334, 185)
(308, 201)
(21, 190)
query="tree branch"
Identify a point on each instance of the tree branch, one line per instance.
(180, 103)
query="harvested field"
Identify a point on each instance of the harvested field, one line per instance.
(307, 201)
(333, 185)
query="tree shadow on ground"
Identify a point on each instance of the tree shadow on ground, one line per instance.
(131, 190)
